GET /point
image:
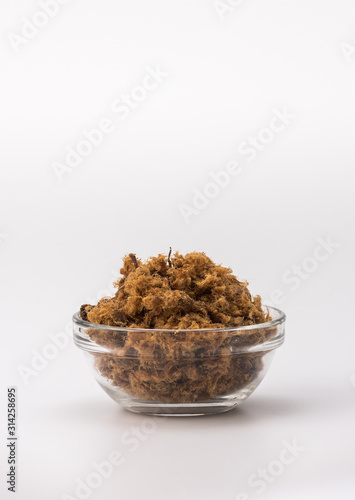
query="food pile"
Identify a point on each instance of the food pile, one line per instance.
(200, 303)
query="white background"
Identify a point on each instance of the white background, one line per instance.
(62, 242)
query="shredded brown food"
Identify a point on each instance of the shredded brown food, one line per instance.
(180, 292)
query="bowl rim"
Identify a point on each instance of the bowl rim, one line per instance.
(274, 322)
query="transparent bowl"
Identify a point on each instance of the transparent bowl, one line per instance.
(180, 372)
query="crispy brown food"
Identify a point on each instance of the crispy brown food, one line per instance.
(192, 293)
(178, 293)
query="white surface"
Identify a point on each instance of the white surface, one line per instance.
(61, 242)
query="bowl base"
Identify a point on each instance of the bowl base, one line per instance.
(220, 404)
(179, 410)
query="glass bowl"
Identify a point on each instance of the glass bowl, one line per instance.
(180, 372)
